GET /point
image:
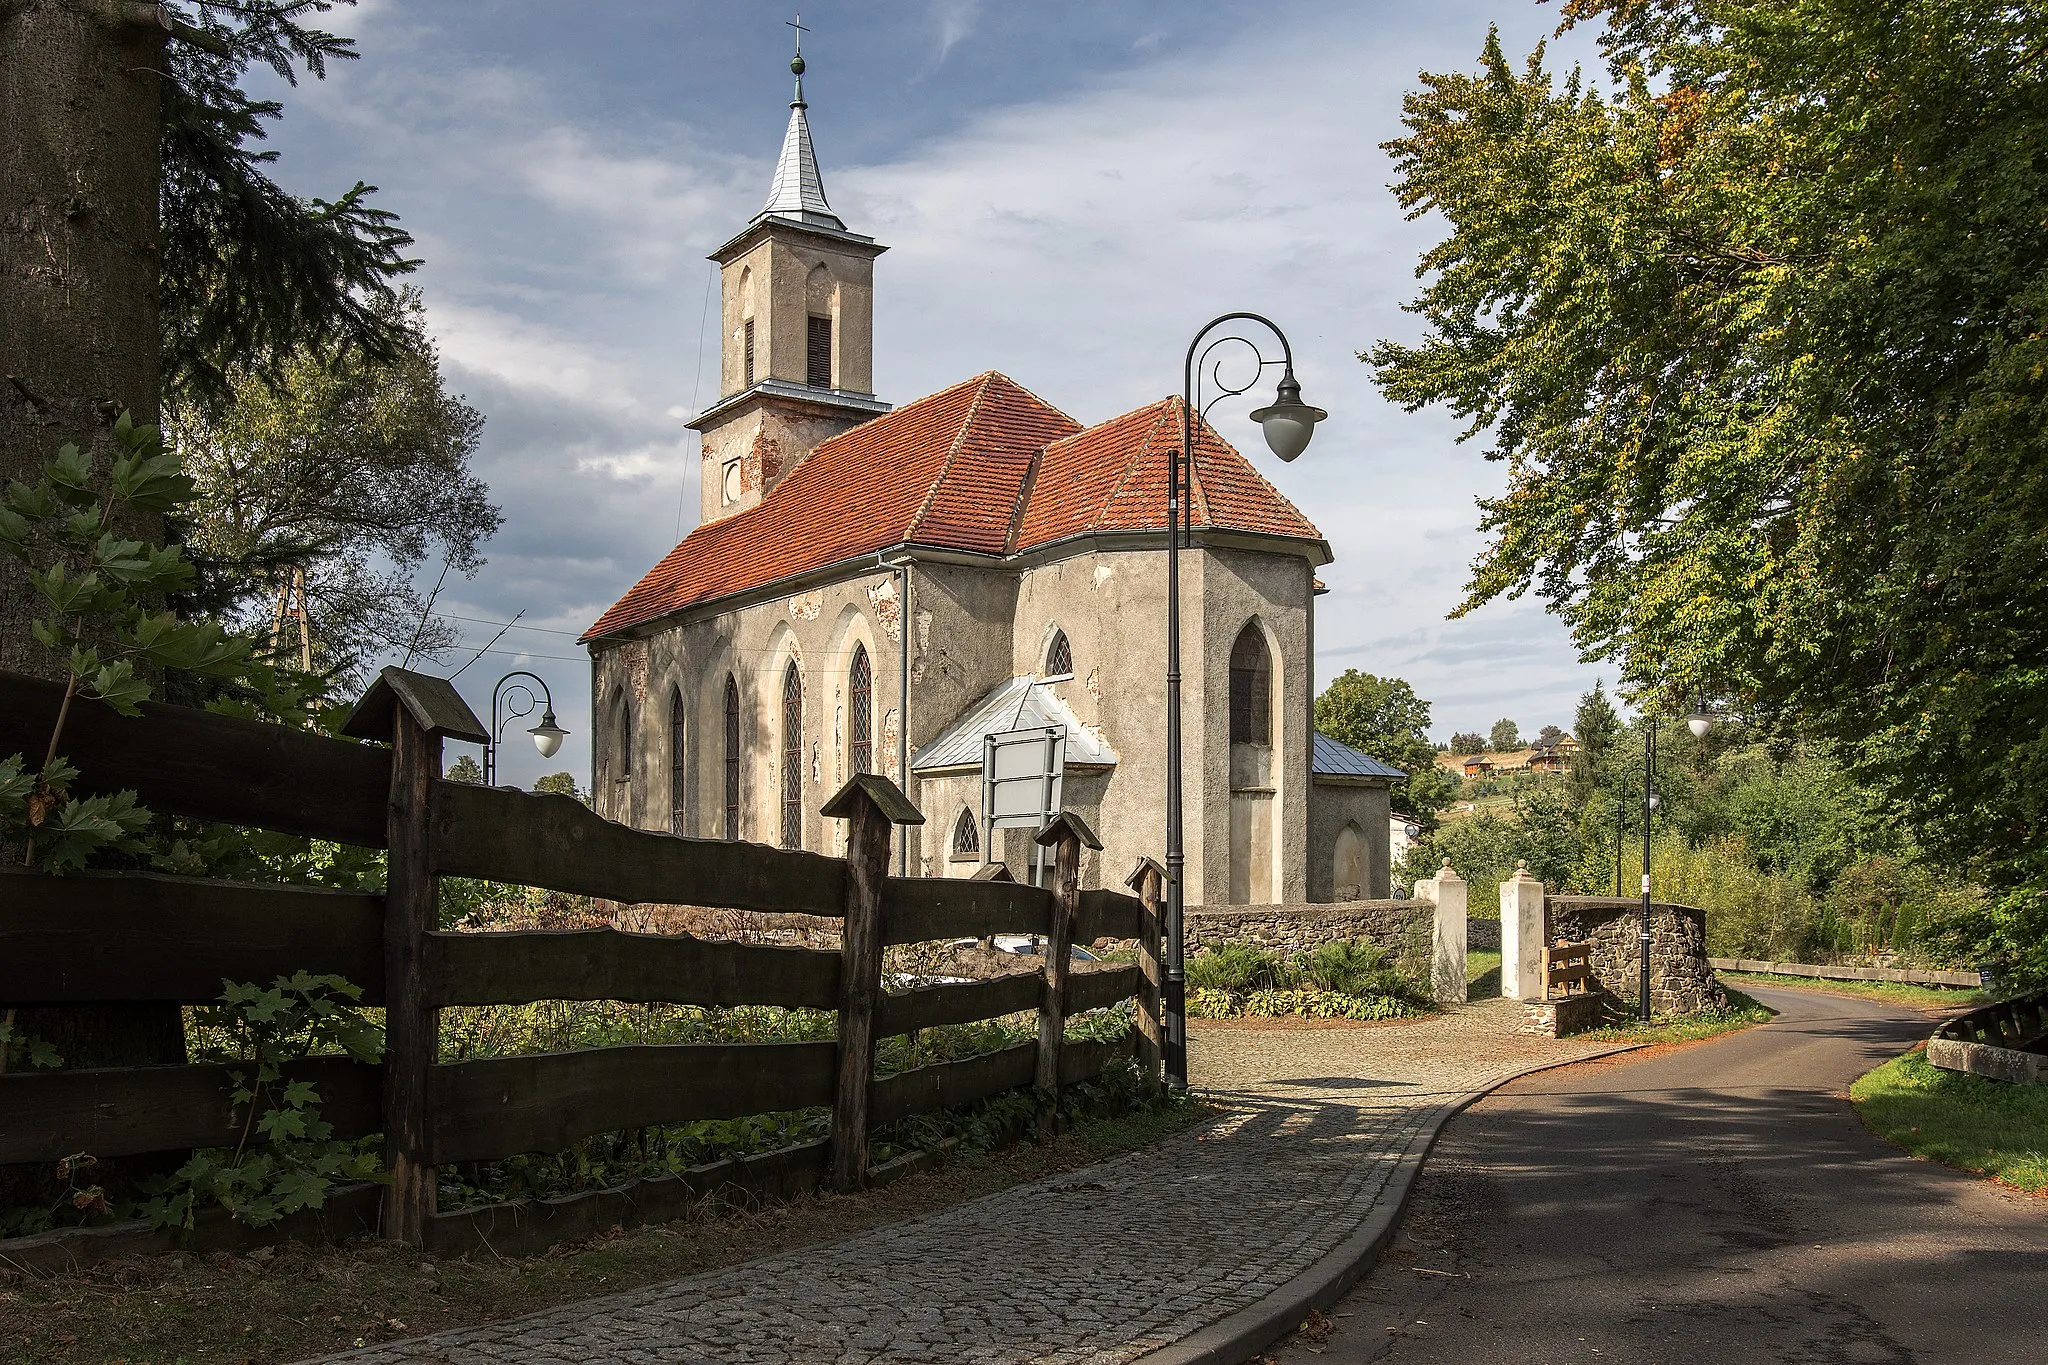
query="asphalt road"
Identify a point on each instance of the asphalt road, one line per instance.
(1715, 1203)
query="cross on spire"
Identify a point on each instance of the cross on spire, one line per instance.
(798, 191)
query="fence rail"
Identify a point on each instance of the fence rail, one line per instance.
(137, 938)
(1568, 968)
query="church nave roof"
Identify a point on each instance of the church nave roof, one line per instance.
(955, 471)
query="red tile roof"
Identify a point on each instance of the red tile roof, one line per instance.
(1113, 477)
(948, 471)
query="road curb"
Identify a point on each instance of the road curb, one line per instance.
(1242, 1335)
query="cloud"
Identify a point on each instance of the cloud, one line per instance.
(1074, 240)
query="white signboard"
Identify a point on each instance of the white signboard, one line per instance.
(1021, 774)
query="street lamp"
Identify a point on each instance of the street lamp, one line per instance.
(547, 736)
(1289, 424)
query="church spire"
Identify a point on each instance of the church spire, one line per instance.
(798, 191)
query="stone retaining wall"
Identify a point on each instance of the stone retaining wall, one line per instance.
(1393, 925)
(1681, 980)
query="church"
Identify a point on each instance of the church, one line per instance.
(880, 589)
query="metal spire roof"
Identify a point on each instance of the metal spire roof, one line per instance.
(798, 191)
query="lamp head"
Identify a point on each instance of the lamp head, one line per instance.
(1289, 423)
(547, 736)
(1656, 800)
(1699, 722)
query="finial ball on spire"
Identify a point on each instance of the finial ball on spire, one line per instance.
(796, 64)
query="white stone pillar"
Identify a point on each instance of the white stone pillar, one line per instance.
(1447, 957)
(1521, 936)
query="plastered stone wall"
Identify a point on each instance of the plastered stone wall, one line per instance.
(1681, 980)
(1395, 925)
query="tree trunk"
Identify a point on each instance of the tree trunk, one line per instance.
(81, 132)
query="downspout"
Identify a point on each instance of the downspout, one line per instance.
(903, 621)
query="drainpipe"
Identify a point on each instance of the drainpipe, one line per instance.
(903, 621)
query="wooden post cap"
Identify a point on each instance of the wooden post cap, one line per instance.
(886, 795)
(433, 703)
(1066, 822)
(994, 872)
(1136, 880)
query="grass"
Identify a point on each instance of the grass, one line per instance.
(1482, 975)
(297, 1302)
(1993, 1128)
(1741, 1013)
(1892, 992)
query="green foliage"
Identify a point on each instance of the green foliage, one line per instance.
(1467, 742)
(1384, 718)
(1343, 979)
(1992, 1127)
(1504, 737)
(19, 1050)
(288, 1158)
(99, 593)
(1238, 967)
(1757, 332)
(561, 784)
(249, 271)
(466, 769)
(345, 470)
(1598, 729)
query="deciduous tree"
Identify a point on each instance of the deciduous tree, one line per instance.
(1760, 330)
(1384, 718)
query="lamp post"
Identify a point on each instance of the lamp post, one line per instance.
(1699, 722)
(547, 736)
(1289, 424)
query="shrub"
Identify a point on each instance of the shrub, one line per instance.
(1352, 967)
(1239, 967)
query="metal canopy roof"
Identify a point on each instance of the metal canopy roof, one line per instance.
(1019, 703)
(1333, 759)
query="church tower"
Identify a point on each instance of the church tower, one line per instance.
(796, 293)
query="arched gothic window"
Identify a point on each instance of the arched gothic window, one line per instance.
(1059, 656)
(860, 711)
(678, 767)
(732, 757)
(966, 836)
(792, 757)
(622, 739)
(1251, 689)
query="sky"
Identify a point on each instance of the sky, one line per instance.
(1068, 191)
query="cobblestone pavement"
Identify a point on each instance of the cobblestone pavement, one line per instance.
(1097, 1265)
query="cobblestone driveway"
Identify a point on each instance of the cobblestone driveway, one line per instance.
(1098, 1265)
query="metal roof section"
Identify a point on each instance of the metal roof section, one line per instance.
(798, 191)
(1333, 759)
(1020, 703)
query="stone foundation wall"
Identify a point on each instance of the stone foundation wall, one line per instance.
(1482, 935)
(1681, 979)
(1393, 925)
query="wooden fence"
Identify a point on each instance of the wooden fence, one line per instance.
(142, 938)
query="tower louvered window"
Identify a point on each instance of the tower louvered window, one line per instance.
(747, 345)
(792, 758)
(860, 712)
(732, 758)
(818, 353)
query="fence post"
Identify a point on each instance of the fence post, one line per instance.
(414, 712)
(1148, 879)
(1448, 941)
(1522, 936)
(869, 804)
(1065, 836)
